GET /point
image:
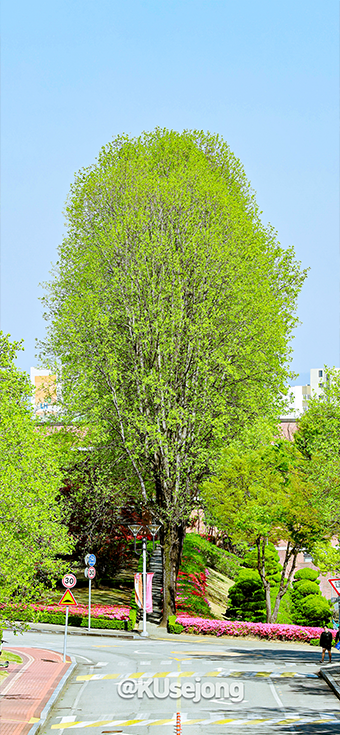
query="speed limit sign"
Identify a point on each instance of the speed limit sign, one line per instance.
(90, 573)
(70, 580)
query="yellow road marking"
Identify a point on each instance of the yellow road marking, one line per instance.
(288, 674)
(100, 723)
(288, 721)
(192, 722)
(263, 673)
(161, 722)
(185, 673)
(137, 675)
(254, 722)
(160, 674)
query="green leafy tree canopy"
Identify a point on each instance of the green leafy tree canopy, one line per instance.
(170, 313)
(31, 532)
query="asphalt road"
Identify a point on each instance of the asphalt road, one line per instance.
(226, 686)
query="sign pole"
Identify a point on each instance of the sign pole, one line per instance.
(144, 633)
(89, 621)
(65, 634)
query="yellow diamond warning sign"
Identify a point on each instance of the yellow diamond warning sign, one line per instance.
(67, 598)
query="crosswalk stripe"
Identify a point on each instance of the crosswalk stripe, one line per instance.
(230, 721)
(162, 722)
(183, 674)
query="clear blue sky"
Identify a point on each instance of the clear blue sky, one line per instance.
(263, 74)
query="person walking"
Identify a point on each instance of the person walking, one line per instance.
(326, 644)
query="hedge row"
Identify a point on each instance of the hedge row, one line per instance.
(31, 614)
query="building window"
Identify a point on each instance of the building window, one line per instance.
(320, 373)
(307, 557)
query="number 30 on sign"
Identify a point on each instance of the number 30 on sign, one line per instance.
(70, 580)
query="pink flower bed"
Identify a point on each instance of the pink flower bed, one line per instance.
(270, 631)
(112, 612)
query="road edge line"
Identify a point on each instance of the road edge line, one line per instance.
(48, 706)
(327, 676)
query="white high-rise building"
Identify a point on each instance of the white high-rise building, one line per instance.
(300, 394)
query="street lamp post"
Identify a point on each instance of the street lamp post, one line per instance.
(135, 530)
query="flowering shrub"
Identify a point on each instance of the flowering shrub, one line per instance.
(113, 612)
(102, 616)
(192, 580)
(270, 631)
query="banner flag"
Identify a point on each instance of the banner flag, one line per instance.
(139, 590)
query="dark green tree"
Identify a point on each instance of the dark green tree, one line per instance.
(247, 600)
(309, 606)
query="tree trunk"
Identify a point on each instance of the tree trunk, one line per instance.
(261, 566)
(291, 552)
(173, 537)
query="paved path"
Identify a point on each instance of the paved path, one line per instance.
(29, 686)
(261, 687)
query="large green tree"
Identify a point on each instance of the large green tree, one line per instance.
(318, 439)
(266, 495)
(170, 314)
(31, 531)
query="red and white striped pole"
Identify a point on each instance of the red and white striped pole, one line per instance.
(178, 726)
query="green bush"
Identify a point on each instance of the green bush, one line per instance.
(58, 618)
(174, 627)
(131, 622)
(307, 573)
(104, 623)
(309, 606)
(313, 610)
(247, 598)
(303, 588)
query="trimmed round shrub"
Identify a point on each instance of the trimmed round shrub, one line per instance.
(247, 598)
(311, 574)
(313, 610)
(304, 588)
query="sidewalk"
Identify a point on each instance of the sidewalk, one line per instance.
(28, 688)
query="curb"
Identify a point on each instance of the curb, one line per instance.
(328, 678)
(43, 717)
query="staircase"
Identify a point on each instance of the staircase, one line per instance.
(156, 566)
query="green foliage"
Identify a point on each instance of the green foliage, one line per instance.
(104, 623)
(131, 623)
(31, 532)
(272, 563)
(192, 579)
(312, 610)
(304, 588)
(285, 612)
(318, 439)
(247, 598)
(215, 557)
(266, 495)
(307, 573)
(163, 341)
(309, 606)
(174, 627)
